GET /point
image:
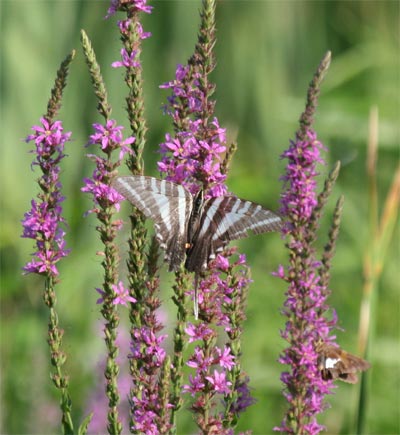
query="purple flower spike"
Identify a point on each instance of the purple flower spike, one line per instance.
(300, 199)
(305, 305)
(194, 156)
(109, 137)
(44, 221)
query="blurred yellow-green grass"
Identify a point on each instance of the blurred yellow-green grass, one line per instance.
(267, 52)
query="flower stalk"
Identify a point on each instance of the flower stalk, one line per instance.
(44, 223)
(150, 374)
(106, 203)
(307, 277)
(197, 157)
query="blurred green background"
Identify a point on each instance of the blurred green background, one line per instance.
(267, 52)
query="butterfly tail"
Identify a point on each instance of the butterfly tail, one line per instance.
(196, 296)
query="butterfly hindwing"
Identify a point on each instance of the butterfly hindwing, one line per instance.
(227, 218)
(168, 204)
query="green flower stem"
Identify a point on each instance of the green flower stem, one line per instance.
(235, 311)
(58, 357)
(180, 343)
(110, 313)
(97, 79)
(135, 101)
(329, 249)
(307, 117)
(107, 231)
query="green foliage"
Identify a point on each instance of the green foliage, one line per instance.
(266, 54)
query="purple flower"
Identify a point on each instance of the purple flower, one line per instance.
(225, 358)
(45, 263)
(102, 193)
(198, 332)
(124, 28)
(222, 263)
(299, 199)
(199, 361)
(146, 346)
(128, 60)
(48, 137)
(110, 138)
(149, 412)
(132, 5)
(244, 399)
(195, 156)
(219, 382)
(122, 295)
(196, 384)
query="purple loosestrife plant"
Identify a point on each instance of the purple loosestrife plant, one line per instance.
(196, 156)
(45, 224)
(106, 202)
(109, 139)
(149, 365)
(310, 320)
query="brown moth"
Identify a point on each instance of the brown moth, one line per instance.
(335, 363)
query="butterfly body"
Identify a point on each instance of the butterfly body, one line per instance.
(190, 228)
(335, 363)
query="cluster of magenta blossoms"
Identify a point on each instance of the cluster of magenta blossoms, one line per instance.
(194, 156)
(109, 138)
(305, 307)
(132, 5)
(149, 408)
(217, 370)
(130, 56)
(44, 222)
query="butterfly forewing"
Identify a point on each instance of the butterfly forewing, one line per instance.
(336, 363)
(168, 204)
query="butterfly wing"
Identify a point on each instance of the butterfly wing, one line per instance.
(223, 219)
(168, 204)
(349, 366)
(336, 363)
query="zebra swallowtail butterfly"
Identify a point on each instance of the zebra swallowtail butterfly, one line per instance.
(192, 228)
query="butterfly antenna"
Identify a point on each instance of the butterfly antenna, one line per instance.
(196, 297)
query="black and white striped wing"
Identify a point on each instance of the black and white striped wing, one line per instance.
(224, 219)
(168, 204)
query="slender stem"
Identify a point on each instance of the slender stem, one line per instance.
(180, 299)
(58, 357)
